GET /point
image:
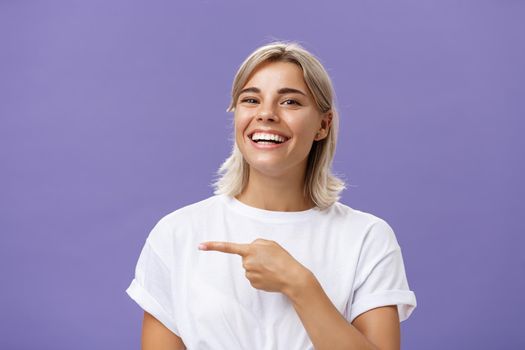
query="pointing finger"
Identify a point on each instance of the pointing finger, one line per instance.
(225, 247)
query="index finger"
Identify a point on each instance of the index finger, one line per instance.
(225, 247)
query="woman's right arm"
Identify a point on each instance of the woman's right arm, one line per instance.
(155, 336)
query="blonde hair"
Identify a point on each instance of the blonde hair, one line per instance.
(320, 184)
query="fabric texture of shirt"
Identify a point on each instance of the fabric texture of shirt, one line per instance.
(205, 298)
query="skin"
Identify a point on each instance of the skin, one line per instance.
(155, 336)
(276, 176)
(275, 183)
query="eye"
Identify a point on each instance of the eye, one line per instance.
(248, 100)
(291, 102)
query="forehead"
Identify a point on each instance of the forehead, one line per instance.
(276, 74)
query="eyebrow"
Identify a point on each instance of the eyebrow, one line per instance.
(285, 90)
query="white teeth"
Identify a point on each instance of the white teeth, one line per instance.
(270, 137)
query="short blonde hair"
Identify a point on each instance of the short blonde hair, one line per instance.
(320, 184)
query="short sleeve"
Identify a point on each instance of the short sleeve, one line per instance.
(151, 286)
(380, 276)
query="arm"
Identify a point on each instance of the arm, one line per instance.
(328, 329)
(155, 336)
(271, 268)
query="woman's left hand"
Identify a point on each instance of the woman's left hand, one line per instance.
(268, 266)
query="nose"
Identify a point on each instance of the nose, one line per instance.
(267, 115)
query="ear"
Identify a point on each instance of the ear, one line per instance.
(326, 123)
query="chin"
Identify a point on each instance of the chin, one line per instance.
(266, 168)
(270, 169)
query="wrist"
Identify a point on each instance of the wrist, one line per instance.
(300, 281)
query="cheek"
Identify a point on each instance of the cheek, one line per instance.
(303, 130)
(240, 125)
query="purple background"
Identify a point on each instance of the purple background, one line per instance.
(113, 115)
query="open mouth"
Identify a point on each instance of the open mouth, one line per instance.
(267, 139)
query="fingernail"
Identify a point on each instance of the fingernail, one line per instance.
(202, 246)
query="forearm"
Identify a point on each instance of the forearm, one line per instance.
(325, 325)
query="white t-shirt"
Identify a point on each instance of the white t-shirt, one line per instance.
(205, 298)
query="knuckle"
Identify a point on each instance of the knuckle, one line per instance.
(247, 263)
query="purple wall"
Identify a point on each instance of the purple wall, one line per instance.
(113, 114)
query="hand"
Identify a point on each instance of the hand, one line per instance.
(268, 266)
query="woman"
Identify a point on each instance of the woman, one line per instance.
(280, 264)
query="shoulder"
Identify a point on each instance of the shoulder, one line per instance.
(362, 219)
(191, 212)
(370, 228)
(185, 219)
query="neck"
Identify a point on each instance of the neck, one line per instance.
(283, 193)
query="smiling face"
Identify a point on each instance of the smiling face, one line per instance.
(277, 120)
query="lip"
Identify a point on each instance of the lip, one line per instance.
(270, 145)
(267, 146)
(268, 131)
